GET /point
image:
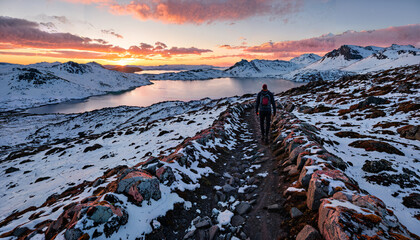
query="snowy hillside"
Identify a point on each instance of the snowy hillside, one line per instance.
(342, 158)
(305, 59)
(260, 68)
(25, 86)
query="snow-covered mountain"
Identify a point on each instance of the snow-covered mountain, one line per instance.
(305, 59)
(346, 60)
(386, 58)
(26, 86)
(261, 68)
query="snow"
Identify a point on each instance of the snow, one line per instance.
(358, 156)
(224, 218)
(293, 189)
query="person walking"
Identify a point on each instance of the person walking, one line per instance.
(264, 102)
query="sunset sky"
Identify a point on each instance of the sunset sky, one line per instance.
(219, 32)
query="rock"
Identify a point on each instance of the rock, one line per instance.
(237, 220)
(338, 219)
(290, 107)
(293, 171)
(165, 175)
(73, 234)
(20, 231)
(308, 233)
(213, 231)
(412, 200)
(203, 222)
(139, 185)
(372, 100)
(373, 145)
(410, 132)
(377, 166)
(243, 208)
(189, 235)
(319, 186)
(294, 212)
(228, 188)
(92, 148)
(151, 165)
(11, 169)
(274, 207)
(288, 168)
(100, 214)
(301, 160)
(295, 153)
(335, 161)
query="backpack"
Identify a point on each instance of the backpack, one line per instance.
(265, 101)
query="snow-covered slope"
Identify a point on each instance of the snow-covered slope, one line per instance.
(25, 86)
(391, 57)
(261, 68)
(343, 57)
(305, 59)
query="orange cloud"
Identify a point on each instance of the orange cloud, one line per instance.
(202, 11)
(24, 34)
(409, 34)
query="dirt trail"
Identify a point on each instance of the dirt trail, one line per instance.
(264, 223)
(250, 169)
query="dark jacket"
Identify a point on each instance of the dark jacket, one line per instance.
(267, 108)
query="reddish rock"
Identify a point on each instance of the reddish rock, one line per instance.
(319, 186)
(410, 132)
(308, 233)
(373, 145)
(368, 218)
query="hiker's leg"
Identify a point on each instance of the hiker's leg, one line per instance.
(262, 123)
(267, 124)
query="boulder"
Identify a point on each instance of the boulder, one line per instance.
(363, 216)
(139, 185)
(308, 233)
(320, 186)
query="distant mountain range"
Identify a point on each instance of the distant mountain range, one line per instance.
(25, 86)
(346, 60)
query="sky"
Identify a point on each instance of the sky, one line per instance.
(219, 32)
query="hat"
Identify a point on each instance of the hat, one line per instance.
(264, 86)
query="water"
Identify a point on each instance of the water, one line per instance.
(170, 90)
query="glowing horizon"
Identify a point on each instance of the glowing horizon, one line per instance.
(193, 32)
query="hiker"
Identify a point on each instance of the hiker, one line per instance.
(265, 100)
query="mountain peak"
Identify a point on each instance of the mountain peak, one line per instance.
(352, 52)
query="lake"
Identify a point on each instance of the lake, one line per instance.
(167, 90)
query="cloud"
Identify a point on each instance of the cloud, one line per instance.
(112, 32)
(23, 34)
(203, 11)
(403, 35)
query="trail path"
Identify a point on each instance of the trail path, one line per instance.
(245, 183)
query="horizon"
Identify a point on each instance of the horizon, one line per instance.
(217, 33)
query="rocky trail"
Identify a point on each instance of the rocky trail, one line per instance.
(243, 191)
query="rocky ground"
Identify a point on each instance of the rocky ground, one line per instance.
(342, 163)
